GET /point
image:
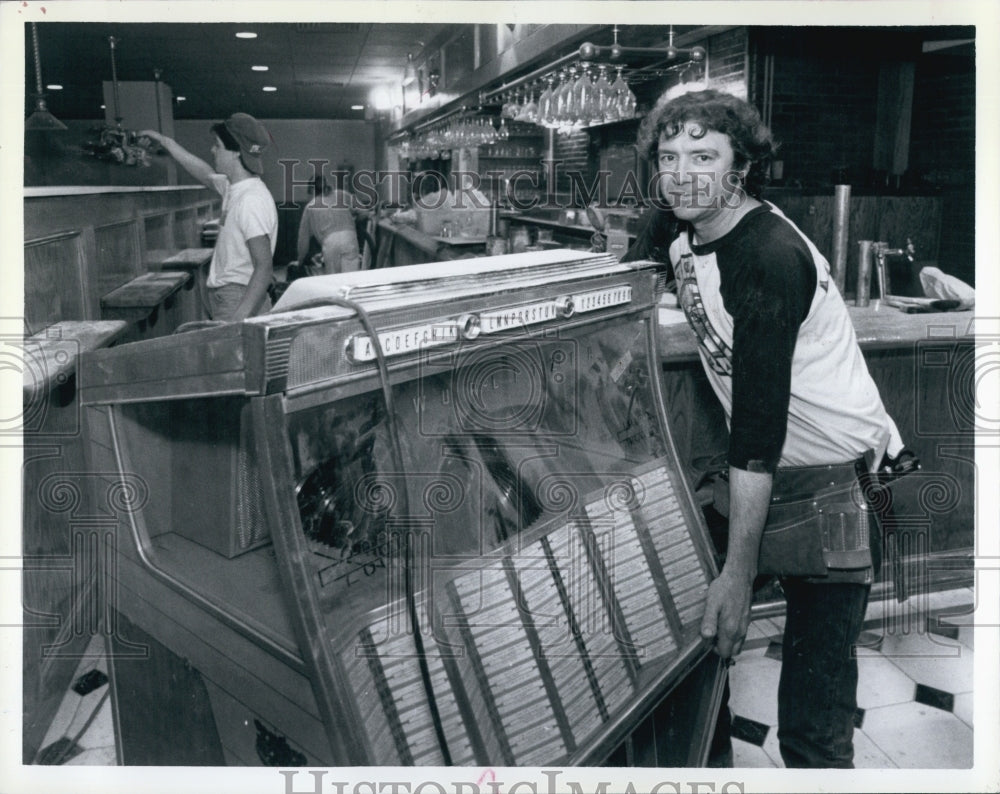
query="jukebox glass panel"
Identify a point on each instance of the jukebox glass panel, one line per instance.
(531, 545)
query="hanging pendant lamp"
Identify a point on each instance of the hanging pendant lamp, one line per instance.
(41, 119)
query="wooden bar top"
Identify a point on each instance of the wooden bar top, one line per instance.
(172, 259)
(54, 352)
(878, 327)
(146, 291)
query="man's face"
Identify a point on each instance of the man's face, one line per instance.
(221, 156)
(696, 174)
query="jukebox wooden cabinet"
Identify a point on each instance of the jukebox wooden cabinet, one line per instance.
(429, 515)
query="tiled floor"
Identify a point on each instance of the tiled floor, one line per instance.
(914, 693)
(914, 688)
(82, 732)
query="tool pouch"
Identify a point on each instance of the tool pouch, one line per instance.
(818, 522)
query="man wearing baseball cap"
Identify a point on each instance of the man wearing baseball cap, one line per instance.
(242, 263)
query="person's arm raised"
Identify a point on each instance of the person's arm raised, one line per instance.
(195, 166)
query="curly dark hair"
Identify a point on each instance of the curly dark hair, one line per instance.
(714, 110)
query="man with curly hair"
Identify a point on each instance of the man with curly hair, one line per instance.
(780, 352)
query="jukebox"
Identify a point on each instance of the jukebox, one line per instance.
(423, 515)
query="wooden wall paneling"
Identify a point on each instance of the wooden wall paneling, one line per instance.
(186, 231)
(159, 230)
(118, 258)
(928, 392)
(54, 280)
(916, 217)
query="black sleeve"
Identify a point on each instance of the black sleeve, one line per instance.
(768, 288)
(653, 241)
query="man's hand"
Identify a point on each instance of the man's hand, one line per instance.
(153, 135)
(727, 613)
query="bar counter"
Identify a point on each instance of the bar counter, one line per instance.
(878, 327)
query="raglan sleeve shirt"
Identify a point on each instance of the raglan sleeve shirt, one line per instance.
(767, 283)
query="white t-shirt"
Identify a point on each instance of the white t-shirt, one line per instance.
(248, 211)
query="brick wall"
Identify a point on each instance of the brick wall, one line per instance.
(727, 61)
(942, 151)
(823, 107)
(574, 155)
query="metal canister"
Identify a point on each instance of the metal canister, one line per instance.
(863, 289)
(841, 222)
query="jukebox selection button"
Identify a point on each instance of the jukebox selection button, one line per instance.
(469, 326)
(565, 306)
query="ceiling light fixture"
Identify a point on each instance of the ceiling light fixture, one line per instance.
(270, 88)
(179, 99)
(41, 118)
(246, 34)
(357, 107)
(53, 87)
(259, 68)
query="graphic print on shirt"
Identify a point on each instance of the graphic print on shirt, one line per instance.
(717, 353)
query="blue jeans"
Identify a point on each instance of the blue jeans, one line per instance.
(817, 691)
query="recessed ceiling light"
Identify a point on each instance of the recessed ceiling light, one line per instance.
(270, 88)
(246, 34)
(181, 98)
(357, 107)
(259, 68)
(53, 87)
(104, 107)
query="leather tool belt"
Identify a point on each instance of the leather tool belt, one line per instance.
(818, 523)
